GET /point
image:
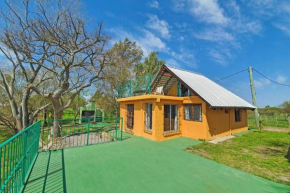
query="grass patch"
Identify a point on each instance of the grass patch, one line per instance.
(276, 120)
(263, 154)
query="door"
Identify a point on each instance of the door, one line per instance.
(130, 116)
(170, 118)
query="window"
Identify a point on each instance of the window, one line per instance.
(238, 115)
(192, 112)
(130, 116)
(148, 116)
(185, 91)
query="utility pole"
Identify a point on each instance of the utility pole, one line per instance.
(254, 97)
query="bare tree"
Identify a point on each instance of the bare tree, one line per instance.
(54, 43)
(17, 66)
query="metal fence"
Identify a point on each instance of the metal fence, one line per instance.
(269, 120)
(67, 133)
(146, 85)
(17, 155)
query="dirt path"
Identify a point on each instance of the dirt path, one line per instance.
(283, 130)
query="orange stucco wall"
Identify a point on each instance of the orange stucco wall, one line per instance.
(214, 124)
(222, 124)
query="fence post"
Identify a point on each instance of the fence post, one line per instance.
(121, 128)
(24, 157)
(88, 130)
(288, 120)
(116, 132)
(178, 89)
(0, 167)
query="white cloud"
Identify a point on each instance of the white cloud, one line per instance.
(161, 26)
(221, 56)
(261, 83)
(154, 4)
(172, 62)
(283, 27)
(208, 11)
(150, 43)
(146, 40)
(214, 35)
(185, 57)
(253, 27)
(281, 79)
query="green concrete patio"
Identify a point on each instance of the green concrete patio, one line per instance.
(140, 165)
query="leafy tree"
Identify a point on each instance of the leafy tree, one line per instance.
(122, 59)
(285, 109)
(151, 65)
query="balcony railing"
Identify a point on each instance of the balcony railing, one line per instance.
(150, 84)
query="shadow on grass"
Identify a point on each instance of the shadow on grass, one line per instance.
(47, 174)
(287, 156)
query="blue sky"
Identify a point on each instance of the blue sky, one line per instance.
(212, 37)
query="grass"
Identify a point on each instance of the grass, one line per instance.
(269, 121)
(263, 154)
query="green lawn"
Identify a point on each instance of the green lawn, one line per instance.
(140, 165)
(263, 154)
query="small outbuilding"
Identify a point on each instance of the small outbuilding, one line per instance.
(178, 102)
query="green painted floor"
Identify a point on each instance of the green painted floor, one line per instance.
(140, 165)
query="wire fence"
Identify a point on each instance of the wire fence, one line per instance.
(17, 155)
(270, 120)
(148, 84)
(67, 133)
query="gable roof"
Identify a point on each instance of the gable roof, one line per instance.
(214, 94)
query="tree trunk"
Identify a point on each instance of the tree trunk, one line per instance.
(24, 105)
(57, 124)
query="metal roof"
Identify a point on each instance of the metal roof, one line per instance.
(214, 94)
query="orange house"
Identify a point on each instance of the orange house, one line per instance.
(176, 103)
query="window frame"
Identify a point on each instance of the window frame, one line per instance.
(191, 114)
(238, 116)
(151, 117)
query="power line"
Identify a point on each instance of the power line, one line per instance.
(231, 75)
(271, 79)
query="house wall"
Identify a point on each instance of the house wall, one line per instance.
(214, 124)
(222, 124)
(173, 90)
(139, 118)
(194, 129)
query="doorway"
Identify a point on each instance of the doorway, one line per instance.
(170, 118)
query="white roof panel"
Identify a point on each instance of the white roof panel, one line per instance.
(214, 94)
